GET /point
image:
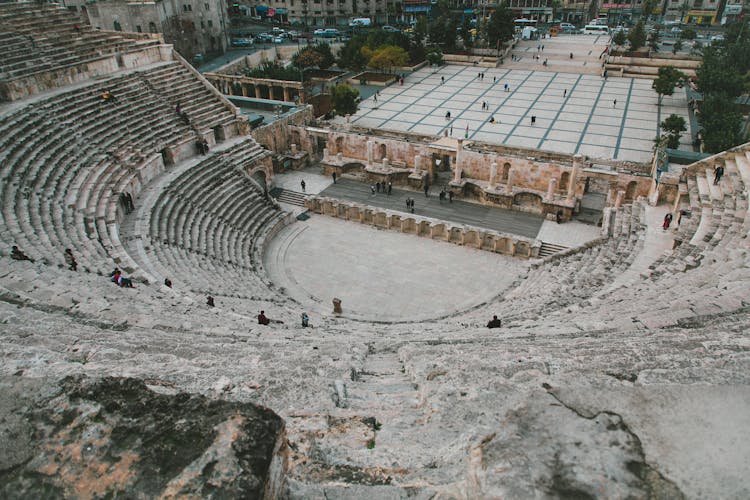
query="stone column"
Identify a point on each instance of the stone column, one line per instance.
(287, 97)
(618, 199)
(370, 154)
(493, 175)
(257, 91)
(325, 153)
(551, 187)
(577, 162)
(244, 89)
(417, 163)
(457, 169)
(509, 184)
(386, 163)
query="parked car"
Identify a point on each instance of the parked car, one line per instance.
(264, 37)
(567, 27)
(242, 42)
(390, 29)
(278, 39)
(320, 32)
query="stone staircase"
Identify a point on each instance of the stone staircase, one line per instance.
(548, 249)
(290, 197)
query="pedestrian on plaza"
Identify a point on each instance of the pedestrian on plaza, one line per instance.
(565, 92)
(390, 187)
(451, 130)
(492, 119)
(494, 78)
(442, 80)
(571, 55)
(447, 115)
(450, 196)
(542, 48)
(377, 186)
(70, 260)
(334, 177)
(375, 96)
(667, 221)
(372, 189)
(426, 190)
(442, 195)
(614, 103)
(558, 216)
(412, 205)
(718, 172)
(168, 282)
(302, 184)
(408, 203)
(533, 120)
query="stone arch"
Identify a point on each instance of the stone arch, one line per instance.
(383, 152)
(506, 172)
(564, 181)
(352, 167)
(262, 174)
(339, 145)
(528, 202)
(630, 190)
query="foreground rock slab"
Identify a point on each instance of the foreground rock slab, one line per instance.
(88, 438)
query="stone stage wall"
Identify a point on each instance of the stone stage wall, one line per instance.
(460, 234)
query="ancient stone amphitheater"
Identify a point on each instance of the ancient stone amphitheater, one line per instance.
(602, 383)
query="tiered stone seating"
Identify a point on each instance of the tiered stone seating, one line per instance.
(195, 98)
(67, 158)
(49, 41)
(577, 274)
(211, 220)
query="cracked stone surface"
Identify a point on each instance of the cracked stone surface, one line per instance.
(93, 439)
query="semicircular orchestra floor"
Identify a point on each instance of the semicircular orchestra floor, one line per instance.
(382, 275)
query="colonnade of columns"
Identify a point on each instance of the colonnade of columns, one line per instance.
(278, 90)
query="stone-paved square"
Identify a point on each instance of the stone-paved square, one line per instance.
(574, 113)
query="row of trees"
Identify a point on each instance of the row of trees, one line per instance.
(722, 78)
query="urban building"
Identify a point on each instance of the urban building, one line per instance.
(194, 27)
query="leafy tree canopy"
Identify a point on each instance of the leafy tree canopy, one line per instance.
(637, 36)
(344, 99)
(500, 26)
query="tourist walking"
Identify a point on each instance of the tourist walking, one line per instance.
(718, 172)
(667, 221)
(70, 260)
(302, 184)
(334, 177)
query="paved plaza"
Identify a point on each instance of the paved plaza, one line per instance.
(576, 109)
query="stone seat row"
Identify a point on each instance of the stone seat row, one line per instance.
(577, 274)
(68, 180)
(178, 86)
(54, 38)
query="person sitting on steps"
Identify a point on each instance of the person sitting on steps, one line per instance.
(17, 254)
(262, 319)
(494, 322)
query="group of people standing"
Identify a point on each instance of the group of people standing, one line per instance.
(386, 188)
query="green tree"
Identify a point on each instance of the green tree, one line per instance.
(688, 34)
(653, 39)
(667, 79)
(720, 120)
(466, 36)
(420, 29)
(443, 32)
(385, 58)
(344, 99)
(718, 74)
(351, 56)
(673, 125)
(637, 36)
(307, 58)
(648, 8)
(500, 27)
(324, 50)
(620, 38)
(434, 56)
(677, 46)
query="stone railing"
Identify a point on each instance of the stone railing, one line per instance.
(434, 229)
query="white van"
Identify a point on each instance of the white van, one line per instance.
(595, 29)
(360, 21)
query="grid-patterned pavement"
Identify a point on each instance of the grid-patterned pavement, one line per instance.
(575, 113)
